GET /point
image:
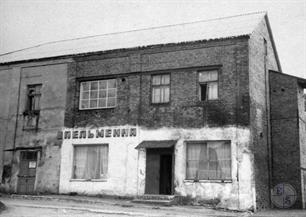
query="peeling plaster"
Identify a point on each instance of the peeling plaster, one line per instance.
(127, 166)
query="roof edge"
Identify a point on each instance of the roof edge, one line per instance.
(273, 43)
(121, 49)
(135, 30)
(299, 79)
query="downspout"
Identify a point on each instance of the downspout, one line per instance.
(139, 115)
(237, 143)
(268, 119)
(16, 123)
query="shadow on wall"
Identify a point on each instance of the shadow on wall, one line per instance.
(5, 178)
(2, 207)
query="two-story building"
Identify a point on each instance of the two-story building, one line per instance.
(176, 110)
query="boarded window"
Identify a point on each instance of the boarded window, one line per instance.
(98, 94)
(90, 161)
(208, 82)
(160, 88)
(210, 160)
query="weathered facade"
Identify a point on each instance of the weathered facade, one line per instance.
(190, 119)
(288, 152)
(29, 132)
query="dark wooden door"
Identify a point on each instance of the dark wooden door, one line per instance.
(159, 171)
(27, 172)
(152, 172)
(165, 174)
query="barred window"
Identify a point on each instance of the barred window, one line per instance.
(209, 160)
(98, 94)
(208, 82)
(160, 88)
(90, 161)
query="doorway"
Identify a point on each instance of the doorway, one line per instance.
(27, 172)
(159, 171)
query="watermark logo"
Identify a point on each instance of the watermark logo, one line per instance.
(283, 195)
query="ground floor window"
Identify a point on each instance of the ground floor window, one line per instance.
(90, 161)
(209, 160)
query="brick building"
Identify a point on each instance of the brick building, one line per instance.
(178, 110)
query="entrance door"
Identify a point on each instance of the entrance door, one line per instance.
(27, 172)
(159, 171)
(165, 179)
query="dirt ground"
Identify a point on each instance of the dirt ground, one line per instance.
(57, 206)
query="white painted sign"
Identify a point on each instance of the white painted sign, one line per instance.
(32, 164)
(97, 133)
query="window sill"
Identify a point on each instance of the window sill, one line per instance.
(30, 129)
(207, 181)
(31, 112)
(89, 180)
(208, 101)
(160, 104)
(93, 109)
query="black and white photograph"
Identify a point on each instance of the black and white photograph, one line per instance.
(152, 108)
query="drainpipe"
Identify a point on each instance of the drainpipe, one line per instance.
(16, 123)
(237, 137)
(268, 119)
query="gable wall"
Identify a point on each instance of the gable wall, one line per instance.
(259, 109)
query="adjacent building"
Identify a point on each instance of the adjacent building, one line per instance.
(191, 110)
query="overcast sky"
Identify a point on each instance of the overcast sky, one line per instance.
(24, 23)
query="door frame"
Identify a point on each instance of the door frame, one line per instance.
(19, 169)
(160, 173)
(159, 152)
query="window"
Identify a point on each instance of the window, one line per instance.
(34, 94)
(160, 88)
(210, 160)
(98, 94)
(90, 161)
(32, 110)
(208, 81)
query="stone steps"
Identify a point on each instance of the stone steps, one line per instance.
(162, 200)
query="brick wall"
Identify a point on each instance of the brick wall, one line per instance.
(133, 70)
(285, 133)
(302, 139)
(259, 111)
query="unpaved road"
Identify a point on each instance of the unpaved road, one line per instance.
(42, 208)
(19, 207)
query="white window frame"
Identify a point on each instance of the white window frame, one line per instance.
(103, 176)
(206, 142)
(161, 87)
(208, 83)
(98, 90)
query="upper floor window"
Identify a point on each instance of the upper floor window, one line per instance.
(208, 81)
(33, 95)
(160, 88)
(32, 110)
(98, 94)
(209, 160)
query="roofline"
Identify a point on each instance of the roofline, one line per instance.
(133, 30)
(121, 49)
(273, 43)
(299, 79)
